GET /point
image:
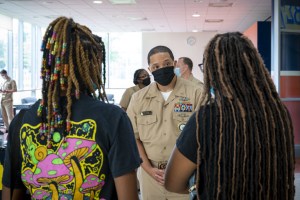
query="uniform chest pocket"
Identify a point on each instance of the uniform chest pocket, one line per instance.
(146, 120)
(146, 127)
(180, 120)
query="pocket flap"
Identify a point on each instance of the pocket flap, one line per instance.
(146, 120)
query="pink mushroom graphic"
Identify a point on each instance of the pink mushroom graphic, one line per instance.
(52, 171)
(91, 184)
(77, 149)
(28, 180)
(40, 194)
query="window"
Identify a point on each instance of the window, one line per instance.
(15, 67)
(27, 55)
(124, 55)
(3, 49)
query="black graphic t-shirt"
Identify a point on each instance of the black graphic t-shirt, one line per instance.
(99, 147)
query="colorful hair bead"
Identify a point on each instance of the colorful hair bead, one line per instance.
(53, 52)
(64, 46)
(49, 59)
(57, 63)
(53, 38)
(43, 45)
(68, 125)
(48, 44)
(66, 70)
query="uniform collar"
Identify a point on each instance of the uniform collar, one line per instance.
(179, 90)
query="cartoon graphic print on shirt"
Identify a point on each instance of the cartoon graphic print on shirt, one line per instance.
(70, 170)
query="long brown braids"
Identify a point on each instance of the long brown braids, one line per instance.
(248, 150)
(72, 64)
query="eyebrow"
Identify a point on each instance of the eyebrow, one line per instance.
(166, 60)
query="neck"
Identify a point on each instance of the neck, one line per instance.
(141, 86)
(167, 88)
(186, 75)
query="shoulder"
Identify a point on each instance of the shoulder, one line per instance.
(188, 85)
(131, 90)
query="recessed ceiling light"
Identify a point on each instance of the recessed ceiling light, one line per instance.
(47, 2)
(196, 15)
(97, 2)
(209, 31)
(137, 18)
(195, 30)
(220, 4)
(214, 20)
(122, 1)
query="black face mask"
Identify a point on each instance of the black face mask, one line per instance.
(164, 75)
(146, 81)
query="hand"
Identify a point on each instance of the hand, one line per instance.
(158, 175)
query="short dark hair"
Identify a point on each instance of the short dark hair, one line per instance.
(136, 75)
(159, 49)
(3, 71)
(188, 62)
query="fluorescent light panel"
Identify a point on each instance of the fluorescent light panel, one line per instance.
(220, 5)
(122, 1)
(214, 20)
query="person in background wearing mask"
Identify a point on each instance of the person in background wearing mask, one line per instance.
(141, 79)
(184, 69)
(158, 114)
(7, 89)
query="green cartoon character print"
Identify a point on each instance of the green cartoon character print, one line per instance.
(70, 170)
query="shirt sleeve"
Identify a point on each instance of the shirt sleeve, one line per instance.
(14, 86)
(123, 155)
(200, 96)
(12, 161)
(125, 99)
(187, 141)
(131, 112)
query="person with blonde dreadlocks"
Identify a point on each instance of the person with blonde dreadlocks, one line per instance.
(240, 143)
(70, 145)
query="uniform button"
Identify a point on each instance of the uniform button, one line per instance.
(165, 148)
(164, 134)
(165, 120)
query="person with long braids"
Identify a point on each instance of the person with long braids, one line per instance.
(71, 144)
(241, 143)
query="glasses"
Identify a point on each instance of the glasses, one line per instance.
(201, 67)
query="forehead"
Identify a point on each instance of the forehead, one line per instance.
(160, 58)
(143, 72)
(180, 60)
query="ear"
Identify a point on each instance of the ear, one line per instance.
(175, 63)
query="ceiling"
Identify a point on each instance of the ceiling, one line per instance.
(144, 15)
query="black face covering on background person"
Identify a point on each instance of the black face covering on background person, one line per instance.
(146, 81)
(164, 75)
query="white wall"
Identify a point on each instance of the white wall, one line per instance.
(177, 42)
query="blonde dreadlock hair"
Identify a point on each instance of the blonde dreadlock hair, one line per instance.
(72, 64)
(248, 150)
